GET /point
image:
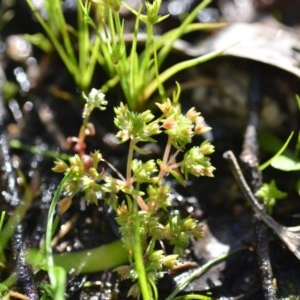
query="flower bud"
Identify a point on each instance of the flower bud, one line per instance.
(90, 129)
(156, 256)
(60, 166)
(134, 291)
(192, 114)
(93, 173)
(189, 223)
(165, 107)
(208, 171)
(200, 127)
(170, 261)
(207, 148)
(87, 162)
(123, 271)
(197, 232)
(169, 123)
(63, 205)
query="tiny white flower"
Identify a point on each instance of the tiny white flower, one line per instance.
(95, 99)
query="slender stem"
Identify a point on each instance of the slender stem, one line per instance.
(181, 30)
(49, 230)
(193, 297)
(2, 217)
(81, 135)
(112, 167)
(175, 165)
(146, 70)
(147, 52)
(61, 51)
(63, 28)
(105, 50)
(164, 163)
(161, 89)
(90, 66)
(278, 153)
(16, 144)
(126, 67)
(133, 69)
(12, 223)
(174, 70)
(129, 160)
(83, 44)
(138, 259)
(138, 251)
(201, 270)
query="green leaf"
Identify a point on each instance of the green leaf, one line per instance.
(270, 194)
(178, 177)
(286, 163)
(143, 172)
(279, 152)
(270, 190)
(39, 40)
(2, 217)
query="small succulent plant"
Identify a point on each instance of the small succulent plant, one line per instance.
(141, 196)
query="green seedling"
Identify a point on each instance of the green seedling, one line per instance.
(270, 193)
(100, 39)
(277, 157)
(284, 160)
(82, 65)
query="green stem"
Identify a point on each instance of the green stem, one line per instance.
(134, 80)
(145, 63)
(165, 159)
(138, 259)
(2, 217)
(161, 89)
(83, 127)
(105, 50)
(71, 64)
(201, 270)
(16, 144)
(279, 152)
(90, 67)
(181, 30)
(83, 43)
(49, 231)
(12, 223)
(62, 27)
(129, 160)
(166, 37)
(174, 70)
(193, 297)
